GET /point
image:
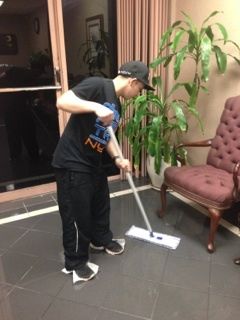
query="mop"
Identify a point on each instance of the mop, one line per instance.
(148, 235)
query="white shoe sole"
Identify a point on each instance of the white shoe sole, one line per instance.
(94, 267)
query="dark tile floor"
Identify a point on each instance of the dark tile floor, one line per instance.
(146, 282)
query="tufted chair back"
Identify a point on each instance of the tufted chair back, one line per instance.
(225, 149)
(215, 184)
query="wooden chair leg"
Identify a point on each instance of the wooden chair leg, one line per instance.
(163, 197)
(215, 216)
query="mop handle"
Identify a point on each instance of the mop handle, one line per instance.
(130, 181)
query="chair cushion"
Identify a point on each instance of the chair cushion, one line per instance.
(204, 184)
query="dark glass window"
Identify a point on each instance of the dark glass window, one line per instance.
(28, 118)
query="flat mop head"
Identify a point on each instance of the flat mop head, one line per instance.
(160, 239)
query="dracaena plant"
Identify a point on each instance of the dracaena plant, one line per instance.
(183, 40)
(156, 122)
(159, 118)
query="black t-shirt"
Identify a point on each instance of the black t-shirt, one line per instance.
(84, 138)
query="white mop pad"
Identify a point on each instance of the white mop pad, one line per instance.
(76, 278)
(160, 239)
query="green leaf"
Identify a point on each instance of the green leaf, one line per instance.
(210, 16)
(193, 97)
(157, 153)
(174, 157)
(165, 37)
(157, 81)
(176, 23)
(158, 162)
(221, 59)
(236, 59)
(180, 56)
(177, 39)
(189, 21)
(209, 33)
(234, 43)
(180, 117)
(181, 152)
(192, 40)
(188, 87)
(195, 113)
(166, 151)
(136, 149)
(168, 60)
(223, 31)
(156, 62)
(153, 135)
(174, 88)
(206, 49)
(140, 102)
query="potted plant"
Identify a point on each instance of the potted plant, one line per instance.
(159, 118)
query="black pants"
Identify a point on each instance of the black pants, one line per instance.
(84, 206)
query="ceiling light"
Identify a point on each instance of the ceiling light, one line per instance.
(1, 3)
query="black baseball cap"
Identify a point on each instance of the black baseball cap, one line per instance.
(138, 70)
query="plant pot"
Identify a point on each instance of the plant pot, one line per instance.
(156, 179)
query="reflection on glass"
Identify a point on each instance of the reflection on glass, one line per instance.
(28, 119)
(90, 41)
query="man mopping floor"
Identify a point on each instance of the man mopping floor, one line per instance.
(82, 186)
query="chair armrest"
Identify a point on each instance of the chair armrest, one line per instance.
(235, 180)
(203, 143)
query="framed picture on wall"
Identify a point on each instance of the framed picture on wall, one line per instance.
(94, 25)
(8, 44)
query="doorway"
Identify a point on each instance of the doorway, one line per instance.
(36, 66)
(29, 83)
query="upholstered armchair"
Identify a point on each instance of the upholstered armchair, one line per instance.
(214, 185)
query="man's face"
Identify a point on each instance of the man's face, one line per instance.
(133, 89)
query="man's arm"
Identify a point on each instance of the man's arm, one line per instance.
(120, 163)
(69, 102)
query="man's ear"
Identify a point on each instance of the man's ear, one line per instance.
(132, 81)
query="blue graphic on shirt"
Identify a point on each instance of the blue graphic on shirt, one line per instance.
(99, 139)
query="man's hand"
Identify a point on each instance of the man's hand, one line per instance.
(123, 164)
(104, 114)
